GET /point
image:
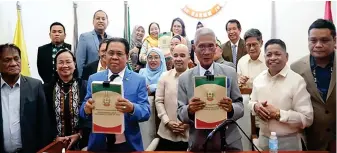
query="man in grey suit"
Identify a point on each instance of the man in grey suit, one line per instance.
(188, 104)
(24, 120)
(88, 43)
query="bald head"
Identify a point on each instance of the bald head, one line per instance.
(181, 57)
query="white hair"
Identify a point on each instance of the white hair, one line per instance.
(202, 32)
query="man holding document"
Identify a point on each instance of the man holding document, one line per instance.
(190, 103)
(133, 104)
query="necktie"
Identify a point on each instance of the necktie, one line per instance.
(207, 73)
(113, 77)
(234, 54)
(111, 138)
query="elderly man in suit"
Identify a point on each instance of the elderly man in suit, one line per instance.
(188, 103)
(134, 104)
(88, 43)
(24, 120)
(319, 72)
(235, 48)
(47, 52)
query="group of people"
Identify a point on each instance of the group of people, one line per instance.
(296, 101)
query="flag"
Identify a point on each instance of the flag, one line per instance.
(20, 42)
(273, 20)
(328, 13)
(127, 34)
(75, 38)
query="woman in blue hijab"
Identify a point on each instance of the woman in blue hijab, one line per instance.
(155, 66)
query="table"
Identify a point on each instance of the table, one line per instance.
(192, 152)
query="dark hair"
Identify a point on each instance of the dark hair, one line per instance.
(253, 33)
(234, 21)
(275, 41)
(177, 36)
(183, 33)
(100, 11)
(151, 24)
(56, 75)
(9, 46)
(104, 41)
(323, 24)
(59, 24)
(121, 40)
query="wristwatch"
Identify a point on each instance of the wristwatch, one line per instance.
(278, 115)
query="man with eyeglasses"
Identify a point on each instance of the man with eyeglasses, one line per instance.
(188, 104)
(253, 63)
(134, 104)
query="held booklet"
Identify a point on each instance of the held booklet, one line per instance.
(211, 91)
(105, 117)
(164, 43)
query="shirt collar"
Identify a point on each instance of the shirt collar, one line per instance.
(237, 43)
(174, 71)
(282, 73)
(121, 73)
(99, 65)
(16, 84)
(203, 70)
(98, 34)
(313, 62)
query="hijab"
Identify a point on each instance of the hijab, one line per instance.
(134, 41)
(152, 76)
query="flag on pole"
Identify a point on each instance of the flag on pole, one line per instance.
(127, 34)
(328, 13)
(20, 42)
(75, 38)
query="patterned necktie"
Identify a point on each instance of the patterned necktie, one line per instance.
(113, 77)
(207, 73)
(234, 54)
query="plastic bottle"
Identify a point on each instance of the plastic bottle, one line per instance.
(273, 143)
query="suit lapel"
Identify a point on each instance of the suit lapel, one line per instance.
(310, 83)
(23, 89)
(95, 37)
(230, 55)
(332, 80)
(240, 52)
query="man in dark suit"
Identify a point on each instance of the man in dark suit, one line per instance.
(46, 53)
(235, 48)
(98, 65)
(25, 123)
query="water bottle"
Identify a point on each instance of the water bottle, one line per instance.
(273, 143)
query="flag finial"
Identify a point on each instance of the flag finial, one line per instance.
(18, 5)
(75, 4)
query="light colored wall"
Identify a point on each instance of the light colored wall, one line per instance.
(292, 19)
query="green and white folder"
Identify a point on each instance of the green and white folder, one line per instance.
(105, 117)
(210, 91)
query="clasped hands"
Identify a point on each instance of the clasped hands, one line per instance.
(195, 104)
(177, 128)
(266, 111)
(69, 141)
(122, 105)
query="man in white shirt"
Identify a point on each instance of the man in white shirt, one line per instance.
(280, 99)
(253, 63)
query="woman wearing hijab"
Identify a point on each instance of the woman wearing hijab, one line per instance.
(155, 66)
(150, 41)
(135, 46)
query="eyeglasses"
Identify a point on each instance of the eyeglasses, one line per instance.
(252, 45)
(153, 58)
(112, 53)
(203, 48)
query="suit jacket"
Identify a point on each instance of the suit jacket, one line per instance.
(34, 118)
(87, 49)
(89, 69)
(134, 87)
(222, 61)
(186, 92)
(45, 61)
(227, 51)
(323, 129)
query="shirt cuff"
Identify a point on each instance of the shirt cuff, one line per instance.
(165, 119)
(133, 112)
(252, 107)
(283, 116)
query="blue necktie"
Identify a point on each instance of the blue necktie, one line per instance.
(234, 54)
(207, 73)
